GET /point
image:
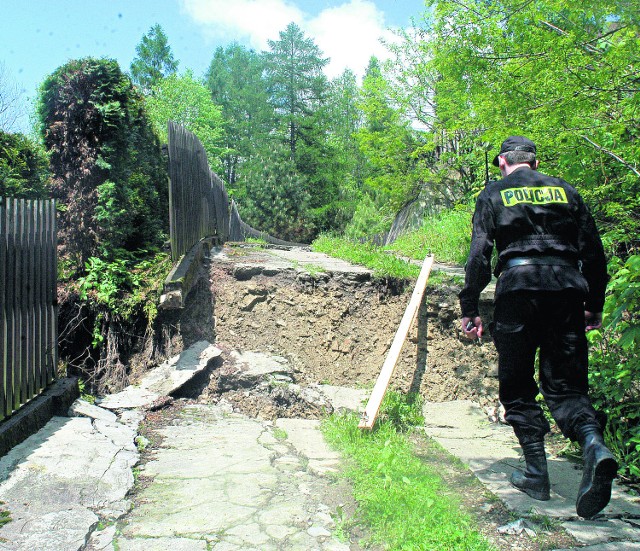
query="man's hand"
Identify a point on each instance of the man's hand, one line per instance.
(472, 327)
(592, 320)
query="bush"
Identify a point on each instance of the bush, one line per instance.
(23, 168)
(615, 365)
(447, 236)
(108, 170)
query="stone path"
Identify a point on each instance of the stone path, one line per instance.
(491, 451)
(222, 481)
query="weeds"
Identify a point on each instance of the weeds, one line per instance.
(5, 516)
(404, 504)
(382, 264)
(279, 434)
(447, 236)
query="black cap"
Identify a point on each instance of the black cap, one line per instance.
(515, 143)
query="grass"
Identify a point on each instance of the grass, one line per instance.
(447, 236)
(382, 264)
(403, 503)
(5, 515)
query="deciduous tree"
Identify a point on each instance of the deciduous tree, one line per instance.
(23, 168)
(566, 75)
(186, 101)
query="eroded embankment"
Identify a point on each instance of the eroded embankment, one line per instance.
(336, 329)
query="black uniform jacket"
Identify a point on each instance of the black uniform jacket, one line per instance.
(530, 214)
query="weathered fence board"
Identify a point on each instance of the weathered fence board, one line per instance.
(28, 315)
(199, 204)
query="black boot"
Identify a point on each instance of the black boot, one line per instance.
(600, 468)
(534, 480)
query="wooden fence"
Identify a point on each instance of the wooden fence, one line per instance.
(28, 312)
(198, 200)
(199, 205)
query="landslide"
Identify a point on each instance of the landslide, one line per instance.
(335, 329)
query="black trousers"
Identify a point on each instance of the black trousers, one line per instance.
(551, 322)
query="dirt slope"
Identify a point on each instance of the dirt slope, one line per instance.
(337, 330)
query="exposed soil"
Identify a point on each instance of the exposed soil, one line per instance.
(335, 330)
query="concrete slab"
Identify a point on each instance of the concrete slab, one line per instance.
(249, 261)
(82, 408)
(231, 482)
(65, 530)
(306, 438)
(492, 452)
(343, 398)
(165, 379)
(162, 544)
(60, 476)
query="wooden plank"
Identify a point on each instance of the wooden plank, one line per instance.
(21, 285)
(39, 356)
(4, 310)
(380, 388)
(52, 305)
(30, 311)
(12, 324)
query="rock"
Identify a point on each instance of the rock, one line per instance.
(248, 302)
(249, 369)
(82, 408)
(318, 532)
(166, 378)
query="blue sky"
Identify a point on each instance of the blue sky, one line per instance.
(38, 36)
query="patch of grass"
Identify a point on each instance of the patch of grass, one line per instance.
(404, 504)
(439, 279)
(370, 256)
(404, 412)
(447, 236)
(256, 241)
(5, 516)
(279, 434)
(314, 270)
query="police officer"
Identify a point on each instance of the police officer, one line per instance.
(552, 276)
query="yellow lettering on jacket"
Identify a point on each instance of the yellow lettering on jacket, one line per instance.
(533, 195)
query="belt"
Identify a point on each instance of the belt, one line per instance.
(539, 261)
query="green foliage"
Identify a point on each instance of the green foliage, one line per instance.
(5, 515)
(154, 60)
(296, 83)
(382, 264)
(235, 80)
(563, 74)
(186, 101)
(276, 200)
(369, 219)
(446, 235)
(403, 412)
(23, 168)
(122, 288)
(84, 393)
(403, 503)
(108, 171)
(615, 365)
(386, 142)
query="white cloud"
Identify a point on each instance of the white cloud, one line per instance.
(250, 21)
(349, 34)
